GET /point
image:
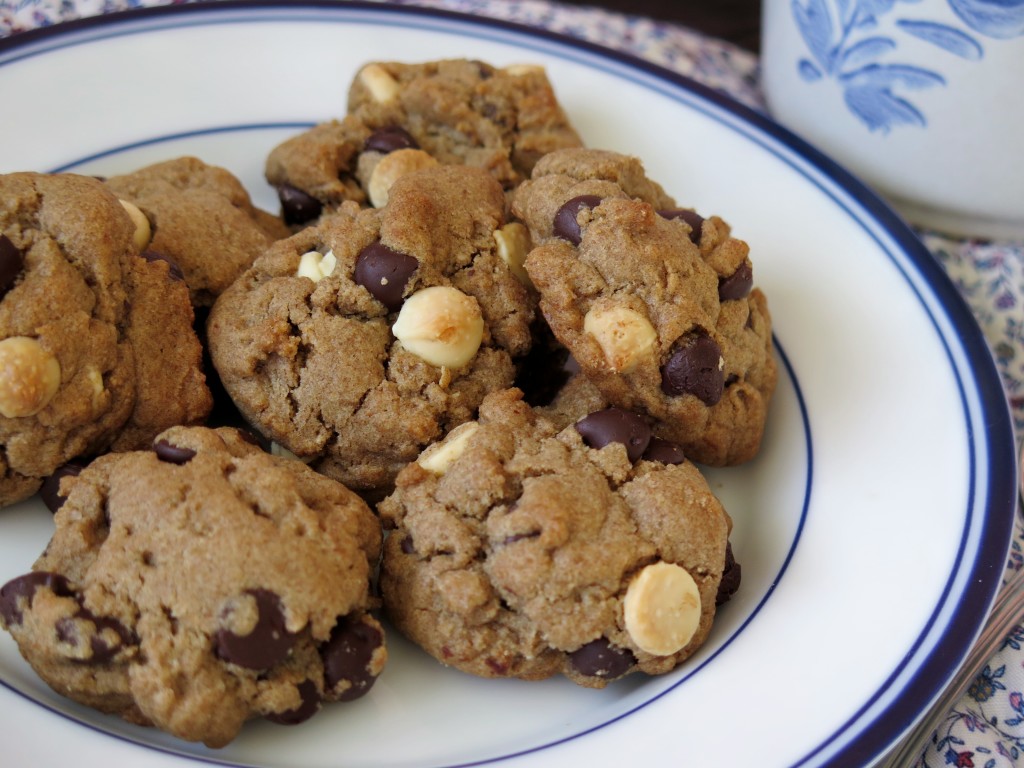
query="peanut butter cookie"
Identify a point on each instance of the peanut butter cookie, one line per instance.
(356, 343)
(200, 218)
(522, 550)
(654, 302)
(405, 116)
(200, 584)
(96, 341)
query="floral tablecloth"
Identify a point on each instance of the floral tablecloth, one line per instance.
(986, 728)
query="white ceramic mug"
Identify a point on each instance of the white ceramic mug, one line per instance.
(922, 99)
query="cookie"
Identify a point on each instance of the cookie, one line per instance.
(200, 584)
(521, 550)
(402, 116)
(655, 303)
(356, 343)
(96, 342)
(200, 218)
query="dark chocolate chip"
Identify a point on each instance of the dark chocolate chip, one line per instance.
(103, 650)
(738, 284)
(614, 425)
(389, 139)
(731, 577)
(694, 368)
(50, 493)
(565, 224)
(25, 587)
(664, 451)
(520, 537)
(172, 454)
(12, 262)
(599, 658)
(310, 706)
(694, 219)
(384, 273)
(347, 655)
(408, 545)
(297, 207)
(269, 641)
(173, 269)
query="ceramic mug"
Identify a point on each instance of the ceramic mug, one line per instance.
(922, 99)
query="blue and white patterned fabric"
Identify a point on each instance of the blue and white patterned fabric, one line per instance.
(986, 728)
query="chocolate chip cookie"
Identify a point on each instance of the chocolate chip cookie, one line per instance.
(522, 550)
(357, 342)
(200, 584)
(655, 303)
(405, 116)
(96, 341)
(201, 218)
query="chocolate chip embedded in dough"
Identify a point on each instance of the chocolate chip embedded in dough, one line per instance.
(738, 284)
(694, 367)
(664, 451)
(25, 587)
(297, 207)
(348, 658)
(599, 658)
(731, 577)
(389, 139)
(108, 637)
(12, 262)
(266, 644)
(50, 493)
(310, 705)
(694, 219)
(565, 224)
(174, 271)
(172, 454)
(615, 425)
(384, 273)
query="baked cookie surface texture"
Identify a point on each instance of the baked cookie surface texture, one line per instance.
(521, 550)
(97, 348)
(202, 583)
(411, 115)
(201, 219)
(654, 302)
(357, 342)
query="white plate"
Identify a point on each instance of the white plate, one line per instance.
(872, 530)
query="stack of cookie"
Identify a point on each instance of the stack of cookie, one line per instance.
(516, 349)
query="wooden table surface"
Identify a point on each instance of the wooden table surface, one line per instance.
(738, 21)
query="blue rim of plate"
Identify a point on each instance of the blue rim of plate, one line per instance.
(989, 520)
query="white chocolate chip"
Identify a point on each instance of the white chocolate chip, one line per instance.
(440, 325)
(276, 449)
(662, 608)
(143, 232)
(517, 70)
(438, 457)
(624, 335)
(95, 378)
(316, 266)
(390, 168)
(379, 82)
(514, 244)
(29, 377)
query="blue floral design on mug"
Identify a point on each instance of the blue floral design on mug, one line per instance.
(845, 46)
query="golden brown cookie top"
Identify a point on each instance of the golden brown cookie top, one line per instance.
(402, 117)
(201, 583)
(357, 342)
(202, 219)
(521, 549)
(654, 303)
